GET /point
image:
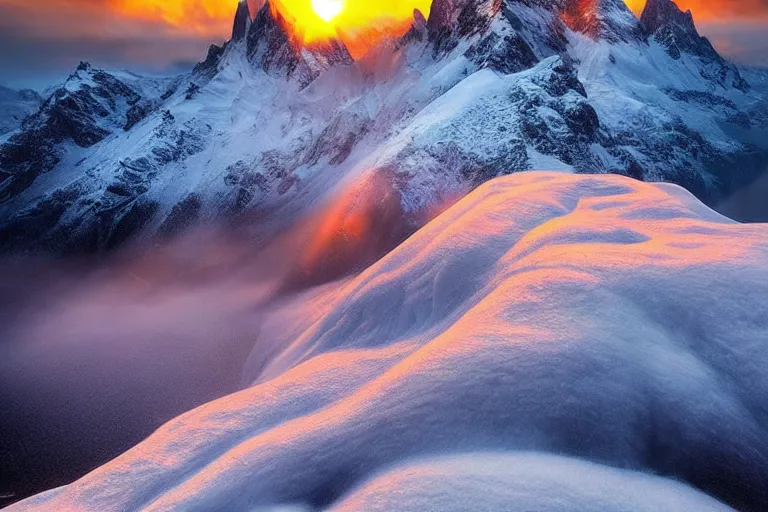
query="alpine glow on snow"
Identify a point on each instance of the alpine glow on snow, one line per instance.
(359, 256)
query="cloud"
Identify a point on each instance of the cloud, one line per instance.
(705, 10)
(738, 29)
(106, 17)
(741, 41)
(45, 41)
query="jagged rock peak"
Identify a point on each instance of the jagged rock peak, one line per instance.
(440, 17)
(209, 66)
(610, 20)
(675, 30)
(272, 46)
(242, 21)
(658, 13)
(418, 30)
(419, 20)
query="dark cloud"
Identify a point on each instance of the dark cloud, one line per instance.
(43, 42)
(41, 46)
(40, 62)
(748, 204)
(745, 42)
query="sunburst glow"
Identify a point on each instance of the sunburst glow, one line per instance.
(328, 9)
(358, 23)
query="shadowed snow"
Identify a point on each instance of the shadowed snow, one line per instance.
(618, 325)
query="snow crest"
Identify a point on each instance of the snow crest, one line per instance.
(550, 342)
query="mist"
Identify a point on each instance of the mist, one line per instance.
(749, 204)
(97, 353)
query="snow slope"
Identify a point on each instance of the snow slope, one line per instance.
(550, 342)
(485, 88)
(15, 106)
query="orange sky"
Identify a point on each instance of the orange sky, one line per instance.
(200, 17)
(213, 18)
(709, 10)
(50, 37)
(353, 24)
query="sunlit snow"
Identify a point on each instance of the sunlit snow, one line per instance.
(551, 342)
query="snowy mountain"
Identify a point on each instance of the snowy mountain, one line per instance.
(15, 106)
(551, 342)
(265, 128)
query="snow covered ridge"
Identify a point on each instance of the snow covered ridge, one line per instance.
(480, 89)
(549, 339)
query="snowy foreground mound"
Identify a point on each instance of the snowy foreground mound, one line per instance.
(551, 342)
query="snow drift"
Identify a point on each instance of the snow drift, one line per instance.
(97, 353)
(552, 341)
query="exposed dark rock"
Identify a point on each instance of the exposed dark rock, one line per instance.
(270, 47)
(182, 217)
(610, 20)
(192, 90)
(701, 97)
(507, 55)
(138, 113)
(419, 21)
(417, 32)
(210, 65)
(175, 143)
(130, 224)
(557, 120)
(474, 19)
(676, 32)
(581, 118)
(170, 92)
(26, 230)
(659, 13)
(440, 27)
(247, 184)
(83, 111)
(562, 78)
(440, 18)
(242, 21)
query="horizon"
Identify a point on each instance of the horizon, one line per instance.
(47, 51)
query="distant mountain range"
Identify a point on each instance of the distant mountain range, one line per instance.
(15, 106)
(480, 89)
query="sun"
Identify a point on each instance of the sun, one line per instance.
(328, 9)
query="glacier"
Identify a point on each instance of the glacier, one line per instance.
(551, 341)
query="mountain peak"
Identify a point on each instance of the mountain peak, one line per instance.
(440, 17)
(418, 30)
(675, 30)
(272, 46)
(419, 20)
(602, 19)
(658, 13)
(242, 21)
